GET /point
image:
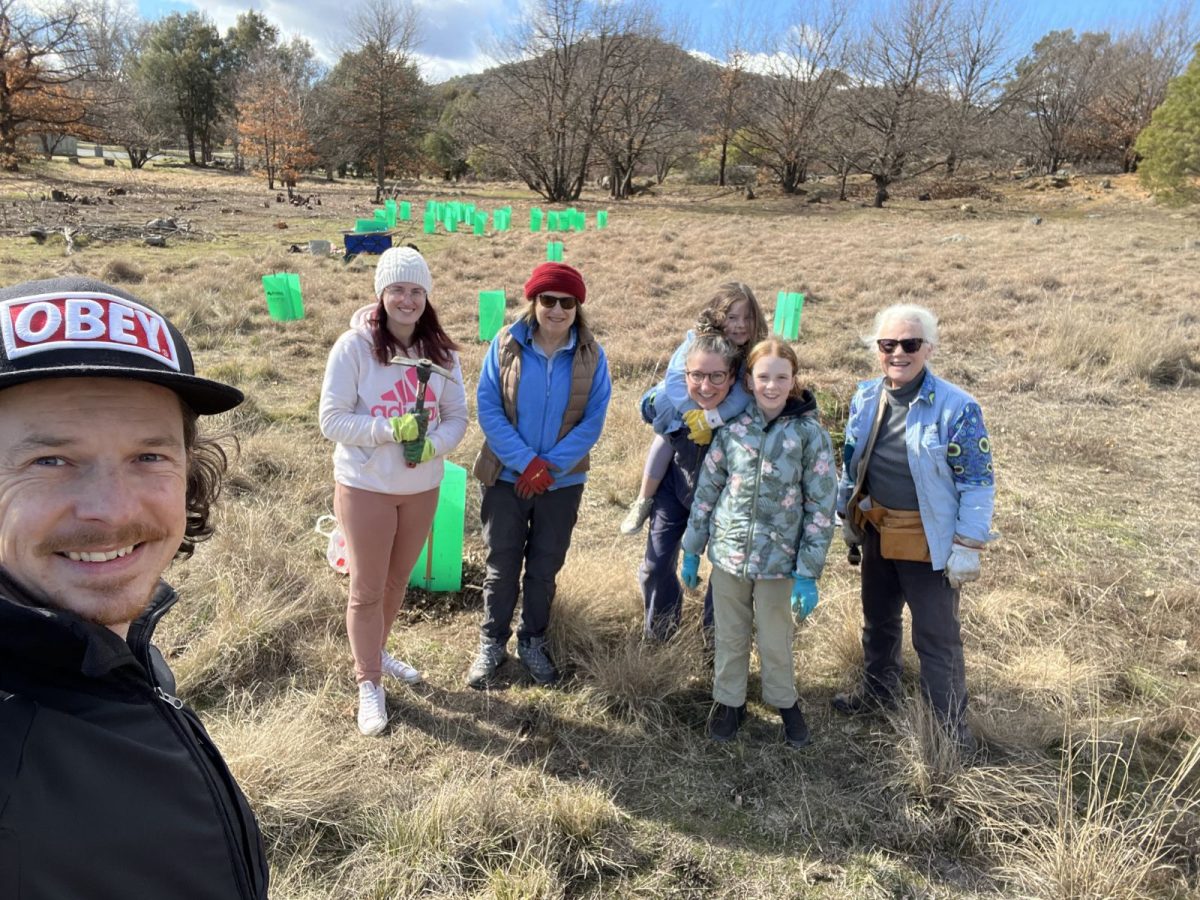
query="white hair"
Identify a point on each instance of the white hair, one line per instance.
(906, 312)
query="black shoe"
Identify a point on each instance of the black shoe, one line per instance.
(723, 722)
(863, 703)
(795, 729)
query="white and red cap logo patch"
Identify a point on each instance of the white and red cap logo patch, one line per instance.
(67, 320)
(77, 327)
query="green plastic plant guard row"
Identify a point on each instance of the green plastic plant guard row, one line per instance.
(491, 314)
(439, 567)
(284, 302)
(554, 251)
(788, 307)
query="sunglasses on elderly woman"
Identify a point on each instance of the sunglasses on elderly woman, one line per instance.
(909, 345)
(548, 302)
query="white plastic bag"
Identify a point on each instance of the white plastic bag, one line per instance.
(335, 550)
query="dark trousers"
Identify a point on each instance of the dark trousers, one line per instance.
(534, 532)
(887, 584)
(658, 574)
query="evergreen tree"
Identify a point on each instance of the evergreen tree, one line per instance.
(1170, 144)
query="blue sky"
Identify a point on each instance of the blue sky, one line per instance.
(457, 33)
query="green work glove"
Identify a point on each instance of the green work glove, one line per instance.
(418, 451)
(410, 426)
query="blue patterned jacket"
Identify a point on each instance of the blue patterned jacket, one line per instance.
(949, 455)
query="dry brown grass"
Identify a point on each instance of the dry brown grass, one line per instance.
(1077, 335)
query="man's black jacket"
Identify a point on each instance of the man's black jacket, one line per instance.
(109, 786)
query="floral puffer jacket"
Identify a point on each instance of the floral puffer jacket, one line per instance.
(764, 504)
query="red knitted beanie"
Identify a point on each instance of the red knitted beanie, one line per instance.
(559, 277)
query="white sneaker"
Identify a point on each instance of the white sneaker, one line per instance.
(639, 512)
(372, 709)
(399, 669)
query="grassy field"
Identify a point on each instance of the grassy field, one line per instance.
(1072, 314)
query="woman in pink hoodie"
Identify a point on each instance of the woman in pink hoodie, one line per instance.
(386, 472)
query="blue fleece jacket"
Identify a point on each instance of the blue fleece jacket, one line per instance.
(542, 396)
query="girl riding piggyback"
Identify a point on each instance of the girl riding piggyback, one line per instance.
(734, 312)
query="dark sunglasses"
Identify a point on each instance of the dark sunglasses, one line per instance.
(889, 345)
(548, 302)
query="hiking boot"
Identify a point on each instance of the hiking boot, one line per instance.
(399, 669)
(488, 660)
(863, 703)
(639, 512)
(724, 721)
(532, 652)
(795, 729)
(372, 709)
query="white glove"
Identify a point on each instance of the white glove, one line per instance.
(713, 418)
(962, 566)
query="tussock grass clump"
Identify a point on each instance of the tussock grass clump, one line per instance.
(1098, 832)
(120, 272)
(500, 831)
(247, 605)
(291, 760)
(1078, 340)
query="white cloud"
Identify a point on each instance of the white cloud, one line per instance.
(454, 34)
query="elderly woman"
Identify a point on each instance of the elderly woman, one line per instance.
(542, 398)
(710, 367)
(916, 497)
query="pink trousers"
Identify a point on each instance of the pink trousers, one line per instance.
(384, 536)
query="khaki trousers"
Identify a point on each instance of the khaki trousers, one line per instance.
(766, 607)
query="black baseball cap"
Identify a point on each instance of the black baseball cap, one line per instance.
(76, 327)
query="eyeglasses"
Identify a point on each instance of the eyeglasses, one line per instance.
(909, 345)
(716, 379)
(548, 302)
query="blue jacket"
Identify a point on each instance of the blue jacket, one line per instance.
(949, 455)
(542, 396)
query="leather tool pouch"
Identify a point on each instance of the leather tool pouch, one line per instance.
(901, 535)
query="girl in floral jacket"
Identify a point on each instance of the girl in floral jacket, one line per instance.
(764, 508)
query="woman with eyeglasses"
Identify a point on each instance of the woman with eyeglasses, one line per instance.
(388, 463)
(915, 500)
(710, 368)
(542, 398)
(733, 311)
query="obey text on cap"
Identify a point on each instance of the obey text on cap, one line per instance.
(78, 320)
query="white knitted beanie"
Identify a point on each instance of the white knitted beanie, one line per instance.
(402, 264)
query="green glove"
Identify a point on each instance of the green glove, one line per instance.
(410, 426)
(418, 451)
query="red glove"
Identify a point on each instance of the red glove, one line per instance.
(534, 480)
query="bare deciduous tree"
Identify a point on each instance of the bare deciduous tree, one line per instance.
(802, 69)
(973, 78)
(40, 70)
(543, 108)
(646, 104)
(897, 69)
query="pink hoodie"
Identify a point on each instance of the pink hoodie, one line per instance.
(359, 396)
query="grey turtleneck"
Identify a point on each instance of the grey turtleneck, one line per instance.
(889, 480)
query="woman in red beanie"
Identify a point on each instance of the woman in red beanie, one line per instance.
(542, 398)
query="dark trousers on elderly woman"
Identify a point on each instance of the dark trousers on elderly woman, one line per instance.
(533, 534)
(887, 584)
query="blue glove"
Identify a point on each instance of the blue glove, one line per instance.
(691, 570)
(804, 596)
